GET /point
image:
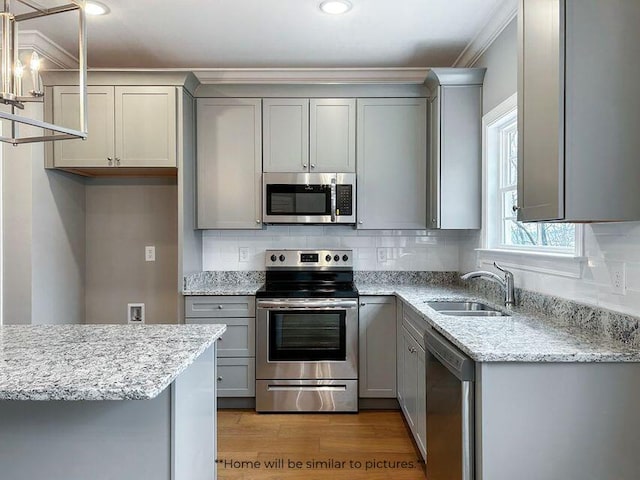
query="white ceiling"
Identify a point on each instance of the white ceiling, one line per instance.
(274, 33)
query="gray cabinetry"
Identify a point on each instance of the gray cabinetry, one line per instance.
(129, 126)
(455, 141)
(229, 163)
(392, 163)
(302, 135)
(577, 110)
(377, 349)
(286, 135)
(332, 135)
(412, 375)
(236, 348)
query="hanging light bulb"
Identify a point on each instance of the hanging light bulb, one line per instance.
(34, 66)
(18, 72)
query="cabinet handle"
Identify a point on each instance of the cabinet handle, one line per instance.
(219, 379)
(515, 208)
(258, 222)
(219, 307)
(313, 165)
(110, 160)
(411, 349)
(360, 222)
(304, 165)
(362, 304)
(219, 339)
(117, 161)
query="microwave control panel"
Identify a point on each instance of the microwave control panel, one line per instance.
(344, 200)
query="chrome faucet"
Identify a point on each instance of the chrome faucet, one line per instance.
(505, 282)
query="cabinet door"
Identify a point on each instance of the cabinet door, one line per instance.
(229, 154)
(392, 163)
(236, 377)
(145, 126)
(286, 135)
(540, 111)
(332, 135)
(98, 148)
(433, 200)
(421, 400)
(399, 354)
(377, 326)
(410, 374)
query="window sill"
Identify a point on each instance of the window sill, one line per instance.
(557, 264)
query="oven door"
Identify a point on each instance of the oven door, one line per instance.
(307, 339)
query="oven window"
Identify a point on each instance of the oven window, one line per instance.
(298, 200)
(307, 336)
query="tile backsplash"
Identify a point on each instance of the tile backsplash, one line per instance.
(396, 250)
(605, 246)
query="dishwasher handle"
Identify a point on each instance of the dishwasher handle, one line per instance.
(449, 355)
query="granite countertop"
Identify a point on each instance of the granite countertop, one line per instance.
(521, 337)
(97, 362)
(246, 288)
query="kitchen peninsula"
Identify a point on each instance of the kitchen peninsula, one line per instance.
(108, 401)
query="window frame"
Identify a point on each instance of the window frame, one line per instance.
(493, 199)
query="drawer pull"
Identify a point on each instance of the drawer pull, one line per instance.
(219, 307)
(219, 379)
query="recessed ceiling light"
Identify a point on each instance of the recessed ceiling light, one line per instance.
(335, 7)
(95, 8)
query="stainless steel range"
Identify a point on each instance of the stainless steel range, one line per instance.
(307, 333)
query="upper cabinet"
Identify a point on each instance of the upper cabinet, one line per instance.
(392, 163)
(578, 107)
(129, 126)
(229, 163)
(455, 148)
(302, 135)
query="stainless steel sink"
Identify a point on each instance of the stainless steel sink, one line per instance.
(466, 309)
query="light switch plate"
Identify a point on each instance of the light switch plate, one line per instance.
(382, 254)
(150, 253)
(243, 254)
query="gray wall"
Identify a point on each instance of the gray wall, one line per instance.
(43, 233)
(501, 62)
(122, 217)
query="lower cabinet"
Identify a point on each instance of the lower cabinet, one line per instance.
(236, 361)
(412, 377)
(377, 362)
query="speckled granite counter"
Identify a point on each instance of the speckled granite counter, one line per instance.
(223, 283)
(524, 336)
(97, 362)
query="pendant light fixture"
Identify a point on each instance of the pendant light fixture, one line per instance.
(13, 72)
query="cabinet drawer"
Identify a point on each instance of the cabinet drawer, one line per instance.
(414, 324)
(238, 341)
(220, 306)
(236, 377)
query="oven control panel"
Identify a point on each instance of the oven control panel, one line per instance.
(309, 259)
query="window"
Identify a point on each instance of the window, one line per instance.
(504, 231)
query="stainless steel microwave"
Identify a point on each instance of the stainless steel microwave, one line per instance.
(309, 198)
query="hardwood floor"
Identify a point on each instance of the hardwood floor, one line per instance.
(375, 445)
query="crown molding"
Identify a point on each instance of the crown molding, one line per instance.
(54, 54)
(260, 76)
(501, 16)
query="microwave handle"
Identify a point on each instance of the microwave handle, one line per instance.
(333, 200)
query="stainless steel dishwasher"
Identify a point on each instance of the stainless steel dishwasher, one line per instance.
(450, 410)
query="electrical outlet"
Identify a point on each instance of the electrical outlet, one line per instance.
(150, 253)
(243, 254)
(382, 254)
(135, 313)
(618, 274)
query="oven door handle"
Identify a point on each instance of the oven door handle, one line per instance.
(292, 304)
